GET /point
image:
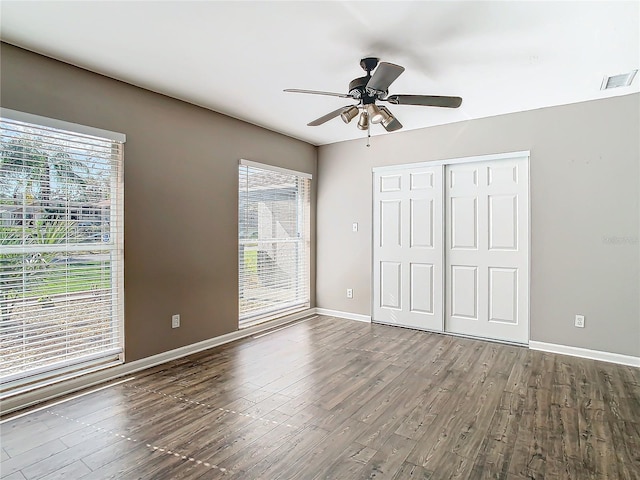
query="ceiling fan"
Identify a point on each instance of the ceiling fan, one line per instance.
(371, 88)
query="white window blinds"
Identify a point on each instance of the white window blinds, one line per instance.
(61, 252)
(274, 243)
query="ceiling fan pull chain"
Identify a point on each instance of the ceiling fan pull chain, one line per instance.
(369, 134)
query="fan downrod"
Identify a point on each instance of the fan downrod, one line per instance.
(369, 64)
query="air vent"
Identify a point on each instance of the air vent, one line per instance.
(623, 80)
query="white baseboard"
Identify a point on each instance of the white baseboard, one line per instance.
(585, 353)
(349, 316)
(50, 392)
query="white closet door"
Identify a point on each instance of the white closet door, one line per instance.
(487, 266)
(408, 247)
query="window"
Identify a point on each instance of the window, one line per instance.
(273, 242)
(61, 251)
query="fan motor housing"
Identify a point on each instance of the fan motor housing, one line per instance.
(357, 86)
(358, 90)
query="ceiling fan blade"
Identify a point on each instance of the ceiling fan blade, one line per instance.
(327, 117)
(316, 92)
(384, 75)
(425, 100)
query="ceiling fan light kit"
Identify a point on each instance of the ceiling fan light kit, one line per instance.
(387, 117)
(375, 115)
(363, 121)
(349, 113)
(371, 88)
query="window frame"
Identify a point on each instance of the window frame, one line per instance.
(59, 370)
(304, 228)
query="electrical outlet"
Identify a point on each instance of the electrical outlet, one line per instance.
(354, 227)
(175, 321)
(579, 321)
(349, 292)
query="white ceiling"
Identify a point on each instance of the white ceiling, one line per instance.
(237, 57)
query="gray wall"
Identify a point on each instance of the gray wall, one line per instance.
(181, 181)
(585, 215)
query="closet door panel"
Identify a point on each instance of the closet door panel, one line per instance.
(487, 233)
(408, 248)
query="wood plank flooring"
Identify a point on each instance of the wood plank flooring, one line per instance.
(337, 399)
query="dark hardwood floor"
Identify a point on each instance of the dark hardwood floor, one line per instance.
(338, 399)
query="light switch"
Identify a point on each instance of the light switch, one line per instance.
(354, 227)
